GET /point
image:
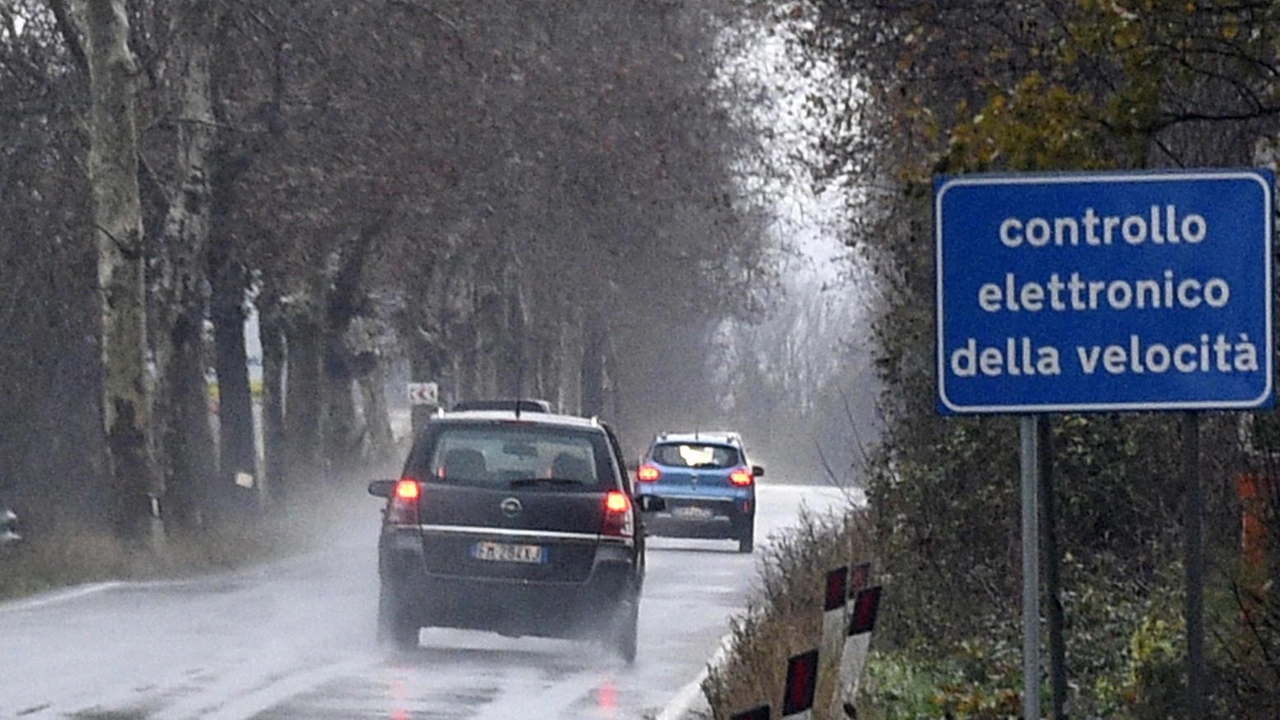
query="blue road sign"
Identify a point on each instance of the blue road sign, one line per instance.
(1080, 292)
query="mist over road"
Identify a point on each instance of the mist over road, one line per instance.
(295, 639)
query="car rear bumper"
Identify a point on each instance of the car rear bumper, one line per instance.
(512, 606)
(700, 516)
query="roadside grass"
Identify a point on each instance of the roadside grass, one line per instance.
(81, 556)
(72, 554)
(784, 615)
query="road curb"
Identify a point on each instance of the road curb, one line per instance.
(690, 699)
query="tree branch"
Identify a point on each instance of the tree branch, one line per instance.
(69, 35)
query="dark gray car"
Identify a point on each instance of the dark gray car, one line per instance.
(521, 523)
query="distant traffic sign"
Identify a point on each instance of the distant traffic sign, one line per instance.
(424, 393)
(1104, 291)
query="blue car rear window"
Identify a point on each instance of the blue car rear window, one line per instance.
(696, 455)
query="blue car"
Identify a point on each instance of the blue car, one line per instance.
(707, 483)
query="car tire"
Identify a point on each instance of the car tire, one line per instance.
(396, 626)
(627, 629)
(746, 536)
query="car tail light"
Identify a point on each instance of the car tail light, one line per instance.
(740, 477)
(617, 515)
(403, 509)
(648, 473)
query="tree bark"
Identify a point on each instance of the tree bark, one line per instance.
(341, 443)
(593, 375)
(304, 399)
(425, 366)
(239, 485)
(188, 440)
(345, 302)
(378, 443)
(237, 450)
(514, 376)
(274, 350)
(117, 216)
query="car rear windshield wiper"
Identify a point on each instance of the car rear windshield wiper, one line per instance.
(526, 482)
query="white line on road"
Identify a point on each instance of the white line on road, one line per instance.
(59, 596)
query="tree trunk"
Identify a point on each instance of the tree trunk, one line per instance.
(188, 440)
(304, 399)
(514, 376)
(378, 442)
(344, 305)
(338, 429)
(117, 217)
(593, 375)
(237, 451)
(274, 351)
(467, 361)
(549, 366)
(614, 388)
(424, 366)
(239, 485)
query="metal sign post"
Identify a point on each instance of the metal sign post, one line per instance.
(1194, 539)
(1049, 555)
(1030, 567)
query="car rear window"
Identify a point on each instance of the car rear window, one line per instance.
(696, 455)
(507, 455)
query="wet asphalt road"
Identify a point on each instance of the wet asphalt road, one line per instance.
(295, 639)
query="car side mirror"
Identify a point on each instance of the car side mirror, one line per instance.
(651, 503)
(382, 488)
(757, 471)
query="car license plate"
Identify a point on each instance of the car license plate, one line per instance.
(507, 552)
(692, 513)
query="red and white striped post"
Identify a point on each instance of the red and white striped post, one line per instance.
(858, 642)
(802, 681)
(833, 613)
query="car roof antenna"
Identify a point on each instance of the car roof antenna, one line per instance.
(519, 377)
(520, 355)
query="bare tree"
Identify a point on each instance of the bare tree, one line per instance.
(179, 295)
(117, 213)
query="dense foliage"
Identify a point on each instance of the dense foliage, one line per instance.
(907, 90)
